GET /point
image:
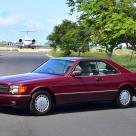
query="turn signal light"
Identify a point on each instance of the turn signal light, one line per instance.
(22, 89)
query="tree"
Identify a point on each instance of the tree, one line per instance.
(75, 40)
(69, 36)
(59, 31)
(109, 21)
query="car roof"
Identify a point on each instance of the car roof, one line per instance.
(79, 58)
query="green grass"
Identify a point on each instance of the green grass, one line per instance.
(44, 47)
(122, 57)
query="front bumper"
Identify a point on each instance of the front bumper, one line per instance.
(14, 100)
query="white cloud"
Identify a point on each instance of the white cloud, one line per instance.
(33, 24)
(56, 21)
(10, 20)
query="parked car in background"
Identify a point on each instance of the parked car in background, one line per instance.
(68, 80)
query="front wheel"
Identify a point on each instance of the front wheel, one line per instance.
(40, 103)
(124, 97)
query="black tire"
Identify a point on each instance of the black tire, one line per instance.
(124, 97)
(41, 103)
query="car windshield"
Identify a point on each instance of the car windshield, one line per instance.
(55, 67)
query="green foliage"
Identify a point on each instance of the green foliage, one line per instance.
(69, 36)
(59, 31)
(109, 22)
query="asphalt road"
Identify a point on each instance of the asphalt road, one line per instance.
(90, 119)
(19, 62)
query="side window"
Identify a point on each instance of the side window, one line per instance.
(105, 68)
(92, 68)
(87, 68)
(84, 67)
(77, 68)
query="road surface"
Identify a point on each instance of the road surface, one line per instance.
(90, 119)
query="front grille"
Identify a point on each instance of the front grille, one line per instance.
(3, 87)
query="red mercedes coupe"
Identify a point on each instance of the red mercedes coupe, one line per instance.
(68, 80)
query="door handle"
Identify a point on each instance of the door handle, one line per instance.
(99, 79)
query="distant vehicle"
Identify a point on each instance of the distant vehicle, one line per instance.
(68, 80)
(27, 42)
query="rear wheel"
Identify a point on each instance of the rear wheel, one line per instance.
(41, 103)
(124, 97)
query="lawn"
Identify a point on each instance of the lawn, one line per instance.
(122, 57)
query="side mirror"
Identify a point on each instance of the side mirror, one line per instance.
(76, 73)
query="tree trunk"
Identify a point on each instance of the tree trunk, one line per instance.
(109, 53)
(79, 52)
(132, 55)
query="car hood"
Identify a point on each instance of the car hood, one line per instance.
(26, 77)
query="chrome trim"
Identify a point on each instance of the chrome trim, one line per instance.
(86, 92)
(3, 87)
(17, 96)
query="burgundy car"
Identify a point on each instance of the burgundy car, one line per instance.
(68, 80)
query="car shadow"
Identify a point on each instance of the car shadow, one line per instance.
(89, 106)
(14, 111)
(65, 109)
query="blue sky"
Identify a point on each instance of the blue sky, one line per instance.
(38, 15)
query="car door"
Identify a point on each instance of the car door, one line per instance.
(90, 80)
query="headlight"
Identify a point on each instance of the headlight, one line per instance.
(14, 89)
(17, 89)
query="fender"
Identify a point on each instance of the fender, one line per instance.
(126, 84)
(40, 87)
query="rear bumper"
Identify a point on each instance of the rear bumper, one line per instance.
(14, 100)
